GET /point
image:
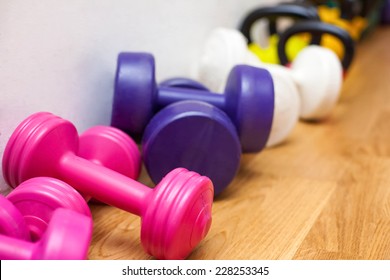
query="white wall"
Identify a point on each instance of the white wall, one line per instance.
(59, 56)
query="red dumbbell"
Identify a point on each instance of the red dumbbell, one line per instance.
(176, 214)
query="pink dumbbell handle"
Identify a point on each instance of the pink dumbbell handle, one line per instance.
(15, 249)
(104, 184)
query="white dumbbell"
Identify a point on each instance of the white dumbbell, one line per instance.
(309, 89)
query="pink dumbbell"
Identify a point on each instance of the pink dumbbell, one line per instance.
(36, 199)
(103, 145)
(27, 210)
(11, 221)
(176, 214)
(106, 146)
(67, 237)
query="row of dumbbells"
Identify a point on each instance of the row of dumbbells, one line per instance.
(179, 117)
(307, 80)
(103, 161)
(180, 123)
(178, 120)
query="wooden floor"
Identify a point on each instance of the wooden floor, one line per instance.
(324, 194)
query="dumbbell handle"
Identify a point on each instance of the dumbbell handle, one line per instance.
(169, 95)
(16, 249)
(104, 184)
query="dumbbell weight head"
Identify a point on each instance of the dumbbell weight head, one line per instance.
(316, 101)
(226, 48)
(134, 99)
(111, 148)
(169, 233)
(47, 145)
(38, 198)
(248, 99)
(326, 80)
(11, 221)
(320, 89)
(250, 102)
(67, 237)
(287, 106)
(194, 135)
(31, 143)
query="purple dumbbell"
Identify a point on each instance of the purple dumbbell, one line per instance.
(248, 99)
(194, 135)
(67, 237)
(36, 200)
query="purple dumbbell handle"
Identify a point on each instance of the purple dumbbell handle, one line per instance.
(169, 95)
(104, 184)
(182, 82)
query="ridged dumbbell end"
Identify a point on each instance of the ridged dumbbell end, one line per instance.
(12, 223)
(111, 148)
(134, 92)
(36, 146)
(179, 216)
(38, 198)
(68, 237)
